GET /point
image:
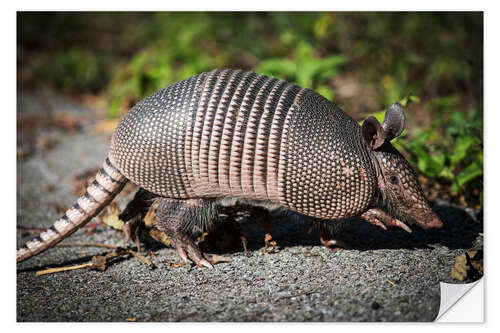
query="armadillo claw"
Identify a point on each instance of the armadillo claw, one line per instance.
(211, 259)
(377, 223)
(187, 248)
(381, 219)
(332, 242)
(182, 254)
(215, 258)
(204, 262)
(401, 225)
(373, 217)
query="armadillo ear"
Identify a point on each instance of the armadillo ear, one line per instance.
(394, 121)
(373, 132)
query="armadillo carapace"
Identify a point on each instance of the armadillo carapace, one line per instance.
(239, 135)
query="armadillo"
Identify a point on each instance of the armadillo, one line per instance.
(234, 134)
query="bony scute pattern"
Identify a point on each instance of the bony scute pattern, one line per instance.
(225, 149)
(148, 145)
(326, 174)
(250, 136)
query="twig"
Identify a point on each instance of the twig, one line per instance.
(390, 282)
(141, 257)
(62, 269)
(137, 255)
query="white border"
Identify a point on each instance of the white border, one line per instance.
(8, 63)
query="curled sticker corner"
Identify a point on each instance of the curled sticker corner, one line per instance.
(451, 293)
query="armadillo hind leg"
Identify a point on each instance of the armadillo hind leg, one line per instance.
(177, 218)
(381, 219)
(134, 213)
(330, 232)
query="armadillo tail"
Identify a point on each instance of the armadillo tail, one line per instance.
(108, 183)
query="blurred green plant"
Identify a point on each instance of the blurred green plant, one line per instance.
(451, 148)
(76, 70)
(305, 68)
(148, 71)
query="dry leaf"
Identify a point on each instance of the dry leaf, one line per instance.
(268, 243)
(113, 221)
(158, 236)
(176, 265)
(150, 218)
(468, 266)
(99, 263)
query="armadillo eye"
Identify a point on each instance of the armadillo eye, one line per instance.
(393, 179)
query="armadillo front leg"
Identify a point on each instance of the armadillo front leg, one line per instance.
(177, 218)
(381, 219)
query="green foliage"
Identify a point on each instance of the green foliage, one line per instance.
(148, 71)
(409, 98)
(306, 69)
(76, 70)
(454, 153)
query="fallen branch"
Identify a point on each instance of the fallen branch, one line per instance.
(141, 257)
(137, 255)
(98, 262)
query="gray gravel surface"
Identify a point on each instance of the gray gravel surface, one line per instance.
(383, 276)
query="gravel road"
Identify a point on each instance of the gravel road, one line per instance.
(382, 276)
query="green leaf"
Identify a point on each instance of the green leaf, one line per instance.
(459, 153)
(409, 98)
(471, 172)
(277, 67)
(431, 165)
(379, 116)
(446, 173)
